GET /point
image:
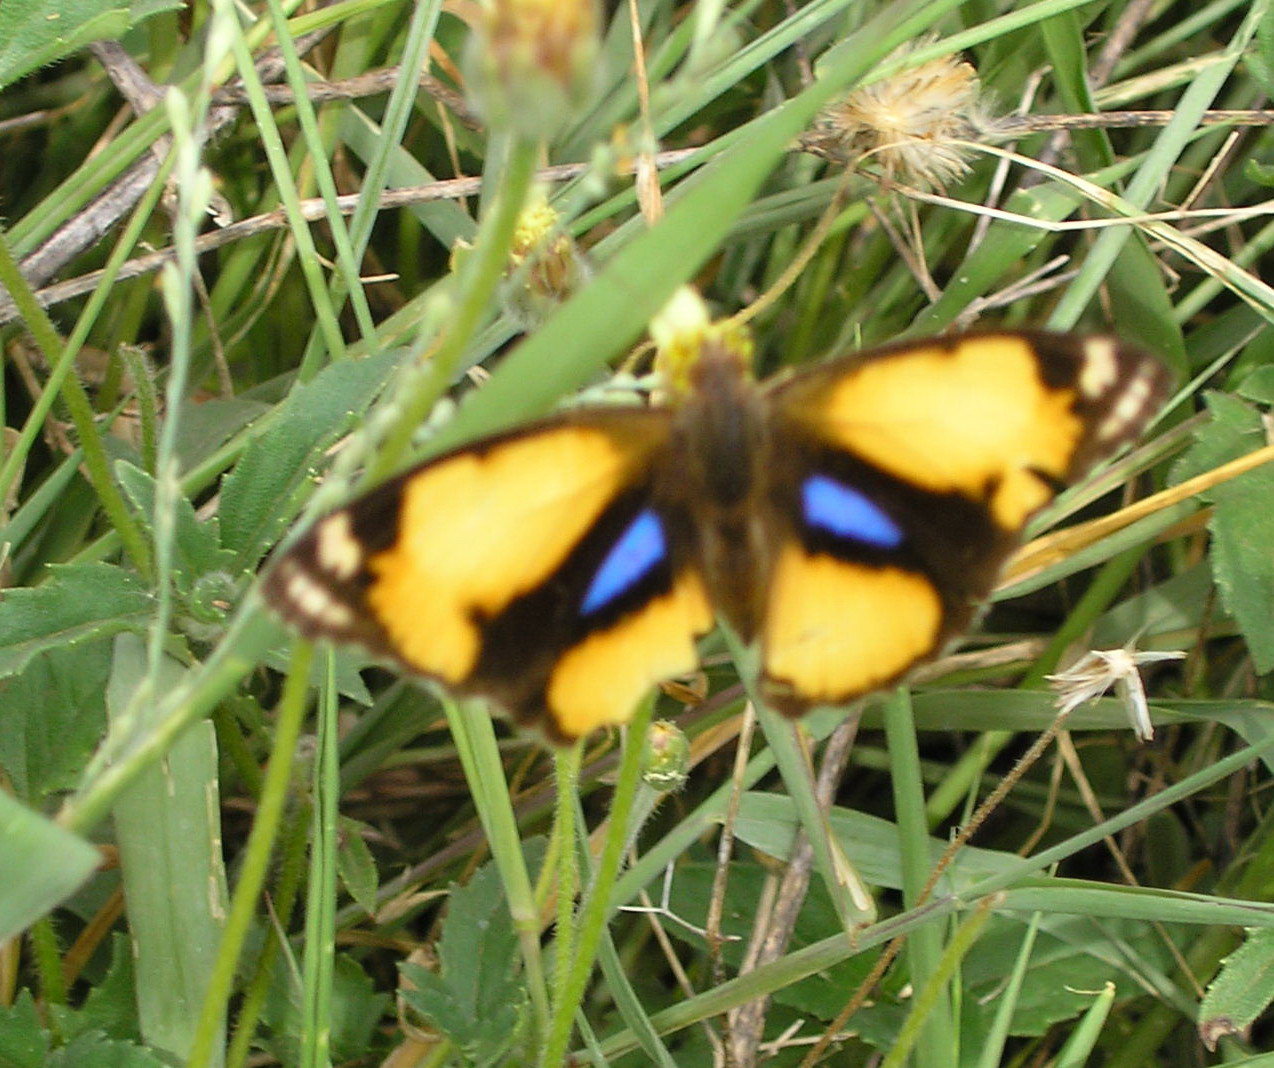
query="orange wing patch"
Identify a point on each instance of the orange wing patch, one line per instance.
(969, 419)
(484, 527)
(835, 630)
(600, 680)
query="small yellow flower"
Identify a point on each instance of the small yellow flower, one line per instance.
(554, 267)
(683, 330)
(543, 259)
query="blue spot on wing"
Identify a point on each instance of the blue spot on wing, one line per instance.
(638, 551)
(840, 510)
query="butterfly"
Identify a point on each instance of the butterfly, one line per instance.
(848, 520)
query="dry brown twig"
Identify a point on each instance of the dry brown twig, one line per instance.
(90, 224)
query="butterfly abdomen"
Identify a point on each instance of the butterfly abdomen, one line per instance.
(720, 471)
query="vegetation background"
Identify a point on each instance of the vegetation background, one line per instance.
(226, 269)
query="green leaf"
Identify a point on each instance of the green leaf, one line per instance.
(23, 1042)
(78, 602)
(1006, 246)
(1242, 524)
(198, 548)
(768, 822)
(55, 712)
(350, 660)
(356, 865)
(1260, 61)
(474, 998)
(43, 865)
(111, 1005)
(273, 468)
(208, 425)
(1241, 991)
(168, 827)
(1259, 385)
(34, 33)
(356, 1012)
(102, 1052)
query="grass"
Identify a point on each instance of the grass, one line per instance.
(379, 875)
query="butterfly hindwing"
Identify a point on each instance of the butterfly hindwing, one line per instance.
(532, 568)
(904, 477)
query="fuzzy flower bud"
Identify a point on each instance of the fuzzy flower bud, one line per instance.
(544, 262)
(667, 757)
(531, 63)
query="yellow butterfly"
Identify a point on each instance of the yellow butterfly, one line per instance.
(847, 519)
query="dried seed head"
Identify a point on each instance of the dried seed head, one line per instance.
(1098, 670)
(910, 123)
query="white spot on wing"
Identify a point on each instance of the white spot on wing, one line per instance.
(1127, 410)
(314, 601)
(339, 553)
(1101, 369)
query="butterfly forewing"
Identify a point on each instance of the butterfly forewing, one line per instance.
(531, 568)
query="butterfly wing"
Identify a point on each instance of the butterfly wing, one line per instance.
(534, 568)
(901, 481)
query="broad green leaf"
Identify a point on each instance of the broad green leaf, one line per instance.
(54, 713)
(1073, 956)
(350, 660)
(102, 1052)
(111, 1005)
(1259, 385)
(768, 822)
(255, 495)
(356, 1012)
(1242, 524)
(168, 827)
(206, 426)
(357, 1008)
(43, 866)
(478, 966)
(356, 865)
(78, 602)
(34, 33)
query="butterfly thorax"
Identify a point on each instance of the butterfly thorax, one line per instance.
(722, 430)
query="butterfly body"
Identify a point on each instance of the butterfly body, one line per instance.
(847, 520)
